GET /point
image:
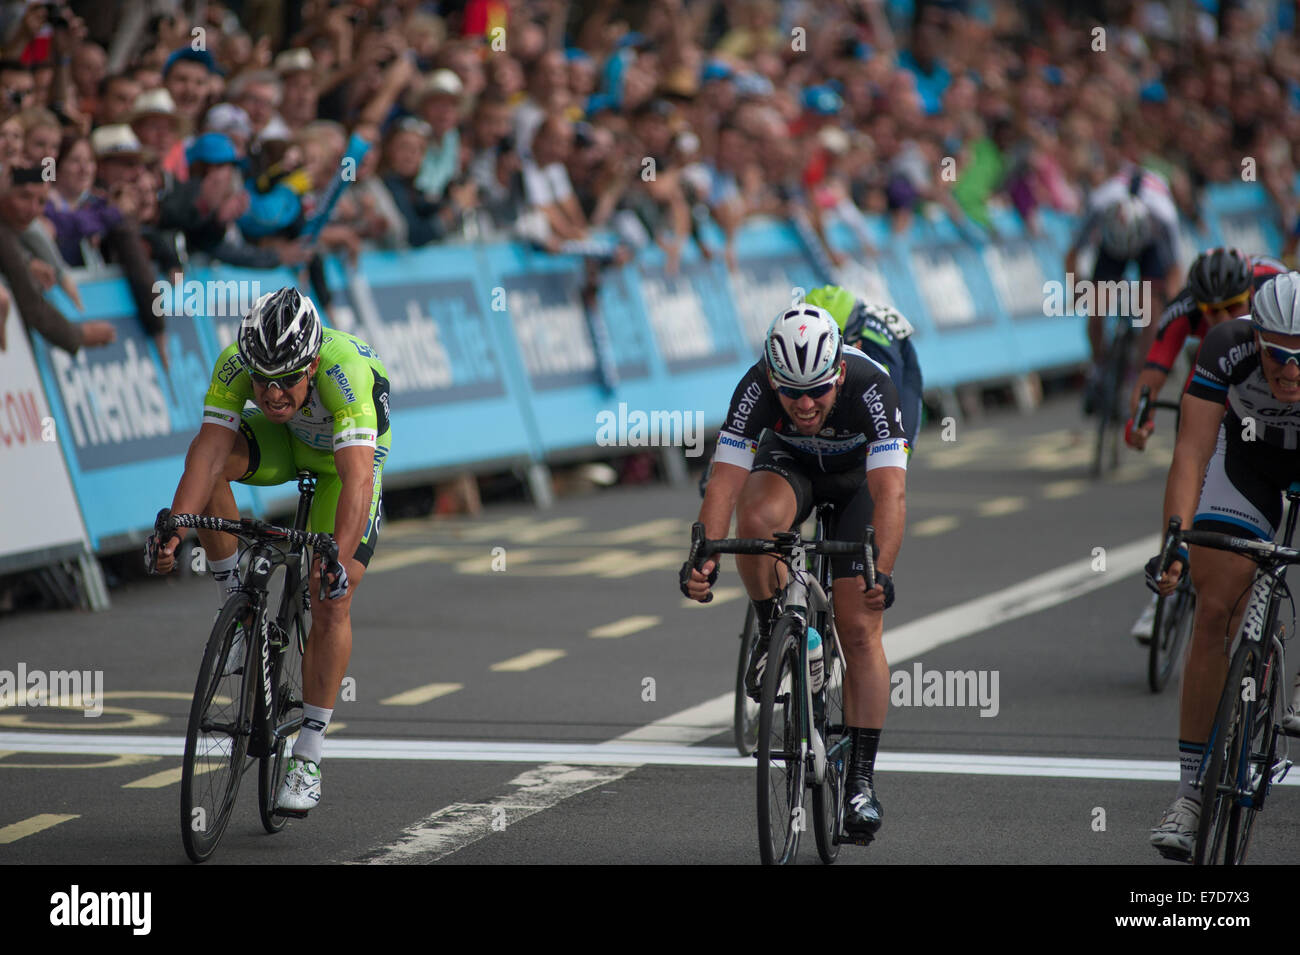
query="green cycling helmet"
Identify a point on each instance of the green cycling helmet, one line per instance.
(839, 302)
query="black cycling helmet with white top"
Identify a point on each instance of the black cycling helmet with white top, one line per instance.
(282, 333)
(1219, 275)
(1126, 228)
(1276, 305)
(803, 347)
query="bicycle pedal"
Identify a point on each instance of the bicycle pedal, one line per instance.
(290, 813)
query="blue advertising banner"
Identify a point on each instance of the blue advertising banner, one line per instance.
(124, 421)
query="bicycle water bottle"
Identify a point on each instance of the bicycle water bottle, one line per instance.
(815, 658)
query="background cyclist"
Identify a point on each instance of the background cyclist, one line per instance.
(1220, 284)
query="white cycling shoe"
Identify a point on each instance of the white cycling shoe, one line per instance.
(1146, 623)
(301, 789)
(1175, 834)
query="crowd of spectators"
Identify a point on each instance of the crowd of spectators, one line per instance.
(599, 127)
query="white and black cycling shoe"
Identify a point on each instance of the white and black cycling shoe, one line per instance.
(1174, 836)
(1146, 623)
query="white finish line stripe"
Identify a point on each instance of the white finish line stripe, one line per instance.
(625, 753)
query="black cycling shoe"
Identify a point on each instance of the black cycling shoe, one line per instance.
(757, 667)
(862, 811)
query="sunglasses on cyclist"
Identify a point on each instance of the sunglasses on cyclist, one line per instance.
(794, 394)
(1226, 304)
(1279, 354)
(283, 382)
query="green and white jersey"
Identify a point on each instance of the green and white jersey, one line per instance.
(347, 403)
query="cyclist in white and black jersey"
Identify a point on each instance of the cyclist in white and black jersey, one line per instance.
(816, 421)
(1132, 217)
(1238, 449)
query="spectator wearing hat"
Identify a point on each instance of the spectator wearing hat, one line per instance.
(233, 123)
(189, 76)
(437, 102)
(21, 201)
(300, 97)
(155, 122)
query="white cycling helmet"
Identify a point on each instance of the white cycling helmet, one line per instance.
(1276, 305)
(282, 333)
(1126, 228)
(803, 347)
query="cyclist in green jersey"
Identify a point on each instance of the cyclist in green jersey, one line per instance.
(320, 401)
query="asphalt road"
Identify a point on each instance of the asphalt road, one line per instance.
(571, 707)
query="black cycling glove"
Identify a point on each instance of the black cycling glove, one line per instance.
(887, 582)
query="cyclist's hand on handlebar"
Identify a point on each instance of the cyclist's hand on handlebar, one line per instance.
(881, 596)
(1169, 582)
(161, 559)
(1137, 437)
(697, 584)
(334, 580)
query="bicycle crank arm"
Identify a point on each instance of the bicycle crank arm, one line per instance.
(819, 757)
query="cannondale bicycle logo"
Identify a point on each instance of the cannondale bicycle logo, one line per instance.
(261, 565)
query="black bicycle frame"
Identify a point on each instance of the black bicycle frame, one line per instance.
(264, 558)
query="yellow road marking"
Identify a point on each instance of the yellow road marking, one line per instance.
(1000, 505)
(405, 558)
(421, 694)
(527, 661)
(933, 526)
(33, 825)
(539, 531)
(1059, 489)
(720, 596)
(647, 531)
(625, 565)
(484, 564)
(621, 628)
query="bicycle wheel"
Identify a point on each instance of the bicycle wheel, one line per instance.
(1172, 631)
(286, 716)
(1109, 401)
(744, 729)
(1262, 753)
(1219, 781)
(216, 737)
(828, 798)
(781, 738)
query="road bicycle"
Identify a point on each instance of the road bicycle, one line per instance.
(802, 738)
(1247, 750)
(1172, 630)
(247, 708)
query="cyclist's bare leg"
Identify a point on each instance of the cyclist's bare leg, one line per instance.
(1219, 578)
(329, 643)
(216, 545)
(766, 506)
(866, 677)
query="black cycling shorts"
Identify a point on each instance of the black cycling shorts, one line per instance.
(1154, 263)
(847, 490)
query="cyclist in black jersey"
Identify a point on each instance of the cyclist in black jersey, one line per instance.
(814, 420)
(1238, 449)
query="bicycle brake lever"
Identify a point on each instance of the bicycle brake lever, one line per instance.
(869, 562)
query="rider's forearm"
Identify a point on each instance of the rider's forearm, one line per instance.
(1149, 377)
(203, 466)
(352, 514)
(890, 514)
(720, 499)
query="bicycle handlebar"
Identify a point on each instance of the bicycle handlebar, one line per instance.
(1143, 407)
(1263, 552)
(781, 546)
(323, 545)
